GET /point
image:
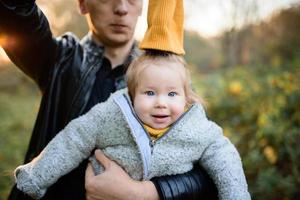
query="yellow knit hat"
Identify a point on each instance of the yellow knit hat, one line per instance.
(165, 26)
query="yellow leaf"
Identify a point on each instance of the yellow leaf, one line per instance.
(270, 154)
(235, 87)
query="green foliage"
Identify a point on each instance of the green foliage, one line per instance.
(258, 109)
(18, 111)
(255, 97)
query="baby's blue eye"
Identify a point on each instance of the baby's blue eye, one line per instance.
(172, 94)
(149, 93)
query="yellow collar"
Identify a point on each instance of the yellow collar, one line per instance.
(155, 133)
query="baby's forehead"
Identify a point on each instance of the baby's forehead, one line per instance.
(159, 76)
(163, 70)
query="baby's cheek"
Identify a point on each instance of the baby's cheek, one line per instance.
(178, 111)
(139, 113)
(142, 111)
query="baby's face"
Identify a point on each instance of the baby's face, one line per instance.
(159, 97)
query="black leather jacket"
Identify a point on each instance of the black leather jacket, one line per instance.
(65, 71)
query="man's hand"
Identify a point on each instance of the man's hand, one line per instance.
(115, 184)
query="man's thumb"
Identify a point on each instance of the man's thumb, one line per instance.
(102, 158)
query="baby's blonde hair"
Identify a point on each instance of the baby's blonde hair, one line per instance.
(139, 64)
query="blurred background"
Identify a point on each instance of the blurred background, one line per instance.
(245, 62)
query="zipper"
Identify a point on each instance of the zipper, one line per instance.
(151, 143)
(82, 82)
(79, 89)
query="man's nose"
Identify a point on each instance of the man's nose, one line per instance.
(121, 7)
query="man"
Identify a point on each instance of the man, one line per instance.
(73, 76)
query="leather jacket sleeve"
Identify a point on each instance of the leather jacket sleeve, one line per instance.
(193, 185)
(27, 39)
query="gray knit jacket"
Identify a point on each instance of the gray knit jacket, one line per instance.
(113, 127)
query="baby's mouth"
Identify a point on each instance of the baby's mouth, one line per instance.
(160, 119)
(160, 116)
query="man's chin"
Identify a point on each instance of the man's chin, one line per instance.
(117, 41)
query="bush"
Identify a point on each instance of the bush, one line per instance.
(259, 110)
(18, 105)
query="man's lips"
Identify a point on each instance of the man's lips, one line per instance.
(118, 27)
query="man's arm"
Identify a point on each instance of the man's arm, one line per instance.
(192, 185)
(115, 184)
(26, 38)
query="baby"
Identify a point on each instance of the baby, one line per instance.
(157, 127)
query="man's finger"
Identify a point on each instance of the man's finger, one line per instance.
(89, 172)
(102, 158)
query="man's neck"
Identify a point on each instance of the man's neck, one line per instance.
(116, 54)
